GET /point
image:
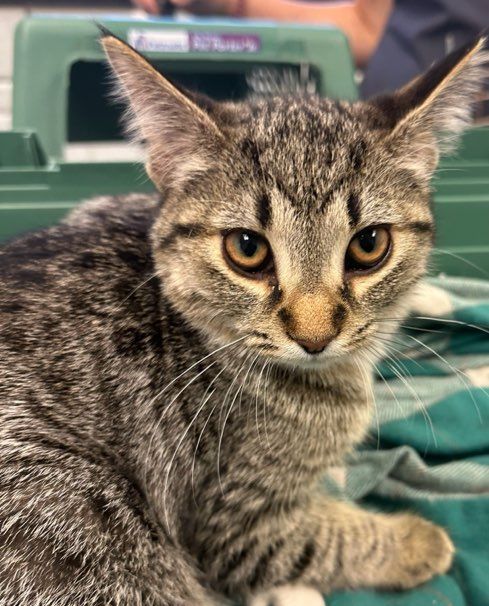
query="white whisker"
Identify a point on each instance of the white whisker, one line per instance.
(367, 384)
(182, 438)
(460, 258)
(457, 371)
(398, 404)
(450, 321)
(227, 416)
(422, 406)
(155, 275)
(265, 402)
(256, 397)
(221, 348)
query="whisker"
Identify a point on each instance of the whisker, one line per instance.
(445, 321)
(417, 328)
(157, 425)
(403, 354)
(227, 417)
(265, 402)
(192, 472)
(457, 371)
(235, 378)
(204, 397)
(197, 363)
(398, 404)
(257, 394)
(460, 258)
(154, 275)
(368, 385)
(184, 434)
(450, 321)
(422, 406)
(168, 406)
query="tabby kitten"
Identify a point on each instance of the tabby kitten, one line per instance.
(178, 371)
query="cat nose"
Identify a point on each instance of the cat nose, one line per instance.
(314, 346)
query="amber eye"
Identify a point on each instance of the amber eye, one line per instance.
(247, 252)
(368, 248)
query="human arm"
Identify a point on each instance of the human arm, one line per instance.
(362, 21)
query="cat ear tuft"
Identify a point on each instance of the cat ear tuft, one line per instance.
(427, 116)
(179, 136)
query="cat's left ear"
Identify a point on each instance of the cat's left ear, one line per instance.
(427, 116)
(181, 138)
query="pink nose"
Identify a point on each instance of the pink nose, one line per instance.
(314, 347)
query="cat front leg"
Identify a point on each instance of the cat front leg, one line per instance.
(327, 545)
(383, 551)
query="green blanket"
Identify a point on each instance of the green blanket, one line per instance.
(429, 445)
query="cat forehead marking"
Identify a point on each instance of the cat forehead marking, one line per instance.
(308, 151)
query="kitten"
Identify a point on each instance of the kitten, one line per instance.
(178, 371)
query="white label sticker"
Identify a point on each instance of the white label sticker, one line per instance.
(182, 41)
(159, 41)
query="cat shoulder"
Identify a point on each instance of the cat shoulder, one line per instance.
(107, 212)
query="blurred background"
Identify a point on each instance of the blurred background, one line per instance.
(11, 13)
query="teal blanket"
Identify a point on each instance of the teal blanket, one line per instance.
(429, 445)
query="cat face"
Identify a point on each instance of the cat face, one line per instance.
(303, 235)
(298, 226)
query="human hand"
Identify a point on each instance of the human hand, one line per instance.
(150, 6)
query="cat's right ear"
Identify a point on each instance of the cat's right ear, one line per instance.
(427, 116)
(180, 137)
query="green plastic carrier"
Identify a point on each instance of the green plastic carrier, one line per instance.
(60, 97)
(60, 76)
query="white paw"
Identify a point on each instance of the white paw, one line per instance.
(288, 595)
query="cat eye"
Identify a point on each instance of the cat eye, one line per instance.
(248, 253)
(368, 249)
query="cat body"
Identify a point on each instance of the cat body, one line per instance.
(90, 416)
(168, 409)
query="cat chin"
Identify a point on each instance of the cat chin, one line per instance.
(307, 362)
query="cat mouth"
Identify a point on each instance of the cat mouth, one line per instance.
(300, 360)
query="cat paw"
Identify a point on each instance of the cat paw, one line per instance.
(425, 550)
(288, 595)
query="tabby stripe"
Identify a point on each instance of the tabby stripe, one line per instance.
(44, 414)
(264, 211)
(250, 149)
(353, 207)
(374, 545)
(303, 561)
(236, 559)
(182, 230)
(332, 190)
(387, 551)
(357, 155)
(421, 227)
(346, 294)
(251, 519)
(262, 335)
(275, 296)
(280, 185)
(338, 547)
(284, 315)
(389, 280)
(261, 569)
(265, 347)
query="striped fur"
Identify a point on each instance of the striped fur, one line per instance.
(162, 438)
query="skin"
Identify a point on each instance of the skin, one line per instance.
(363, 21)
